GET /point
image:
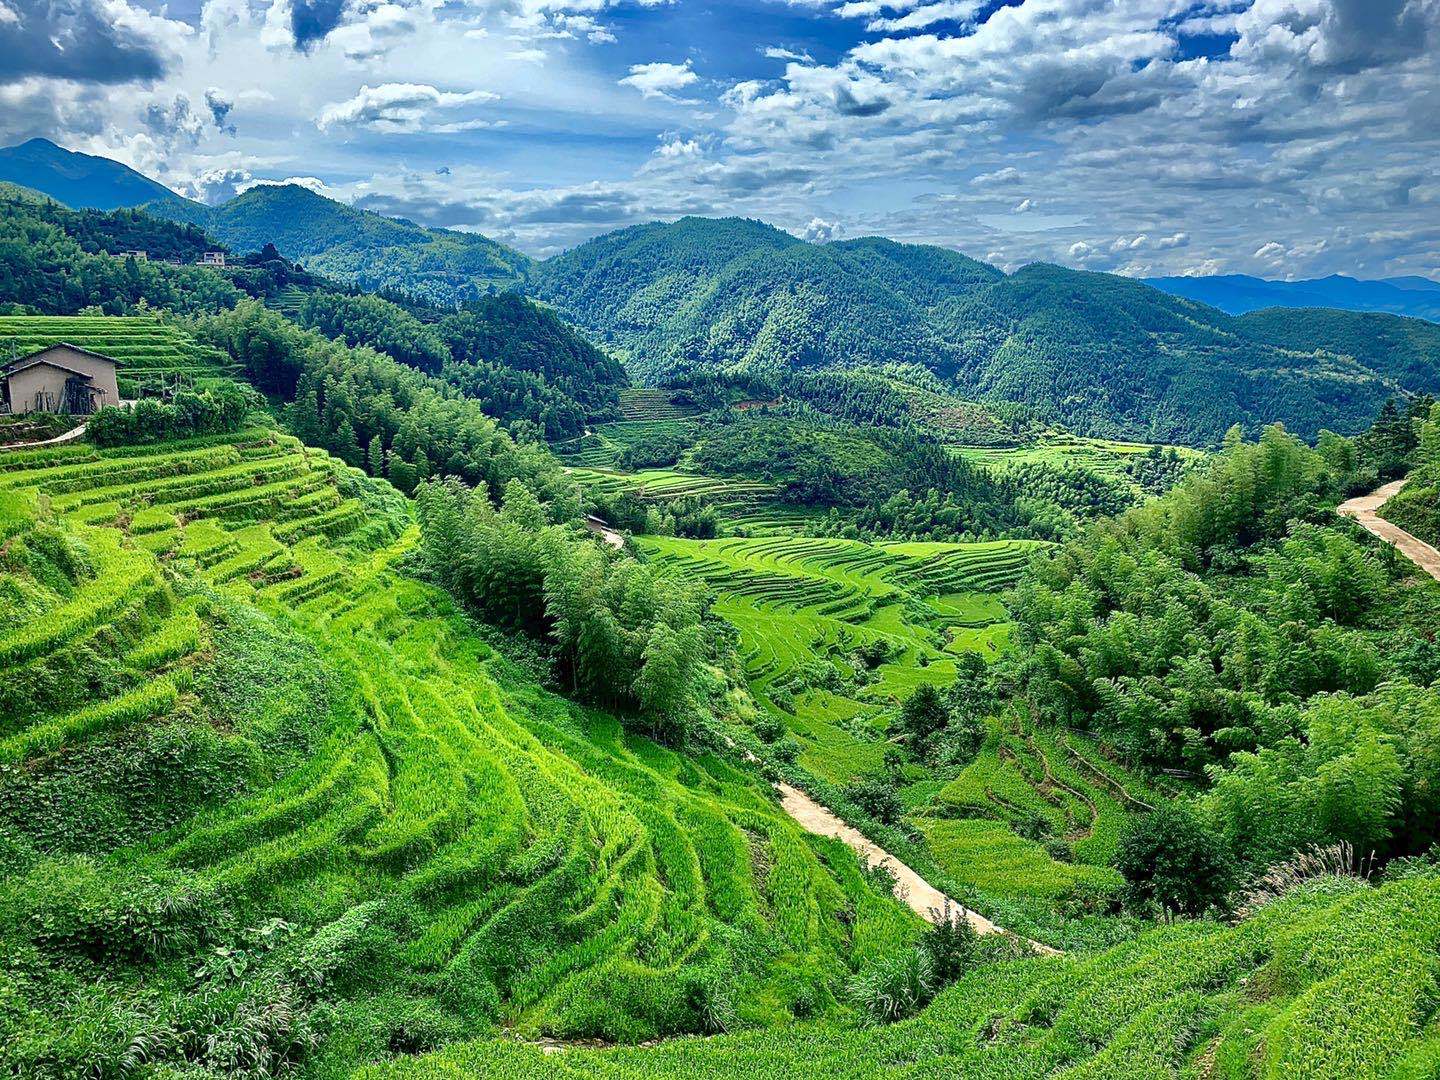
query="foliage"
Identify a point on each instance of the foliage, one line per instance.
(342, 398)
(1228, 626)
(623, 636)
(215, 410)
(374, 252)
(1102, 354)
(1172, 862)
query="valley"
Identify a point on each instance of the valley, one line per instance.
(699, 652)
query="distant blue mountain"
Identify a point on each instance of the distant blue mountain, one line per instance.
(79, 180)
(1418, 297)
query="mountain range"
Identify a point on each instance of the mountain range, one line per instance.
(1103, 354)
(1238, 294)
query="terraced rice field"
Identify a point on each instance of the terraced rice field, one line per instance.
(639, 403)
(288, 300)
(802, 606)
(602, 447)
(1034, 818)
(1335, 982)
(141, 345)
(570, 878)
(657, 485)
(1105, 456)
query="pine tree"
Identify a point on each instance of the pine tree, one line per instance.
(375, 458)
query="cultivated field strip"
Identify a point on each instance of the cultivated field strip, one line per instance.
(803, 606)
(141, 345)
(638, 403)
(572, 877)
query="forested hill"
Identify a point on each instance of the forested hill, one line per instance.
(80, 180)
(742, 294)
(518, 360)
(372, 251)
(1104, 354)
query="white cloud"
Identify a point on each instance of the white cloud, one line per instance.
(662, 80)
(820, 231)
(403, 108)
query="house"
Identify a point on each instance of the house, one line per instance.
(138, 256)
(60, 379)
(212, 258)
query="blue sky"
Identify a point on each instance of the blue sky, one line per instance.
(1277, 137)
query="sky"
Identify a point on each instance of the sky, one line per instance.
(1284, 138)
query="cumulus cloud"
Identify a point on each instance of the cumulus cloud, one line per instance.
(220, 107)
(820, 231)
(662, 80)
(403, 108)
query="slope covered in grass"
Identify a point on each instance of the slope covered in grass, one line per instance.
(271, 804)
(1337, 981)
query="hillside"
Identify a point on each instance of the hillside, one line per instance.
(379, 814)
(1404, 350)
(81, 180)
(1106, 355)
(368, 249)
(741, 294)
(1335, 982)
(1238, 294)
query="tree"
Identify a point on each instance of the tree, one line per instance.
(375, 457)
(1172, 862)
(922, 716)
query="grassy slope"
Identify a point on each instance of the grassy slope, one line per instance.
(802, 606)
(554, 872)
(1336, 982)
(140, 345)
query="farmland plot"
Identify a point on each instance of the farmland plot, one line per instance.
(540, 867)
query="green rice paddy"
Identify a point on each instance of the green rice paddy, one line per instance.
(142, 346)
(563, 877)
(1107, 457)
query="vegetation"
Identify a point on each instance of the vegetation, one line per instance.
(373, 252)
(1232, 626)
(1333, 981)
(1103, 355)
(271, 806)
(514, 358)
(218, 410)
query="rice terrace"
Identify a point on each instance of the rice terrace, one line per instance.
(620, 540)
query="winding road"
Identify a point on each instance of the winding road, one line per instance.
(1363, 509)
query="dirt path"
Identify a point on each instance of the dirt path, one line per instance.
(72, 434)
(1363, 509)
(924, 899)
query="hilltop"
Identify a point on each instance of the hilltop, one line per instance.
(81, 180)
(1107, 355)
(367, 249)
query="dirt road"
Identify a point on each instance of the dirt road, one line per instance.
(924, 899)
(1363, 509)
(73, 433)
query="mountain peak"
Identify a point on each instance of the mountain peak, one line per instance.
(78, 180)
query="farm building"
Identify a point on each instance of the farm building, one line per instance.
(61, 379)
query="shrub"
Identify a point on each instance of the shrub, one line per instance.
(220, 409)
(896, 988)
(877, 797)
(1172, 862)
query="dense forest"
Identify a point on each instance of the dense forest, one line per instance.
(1102, 354)
(1232, 627)
(351, 245)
